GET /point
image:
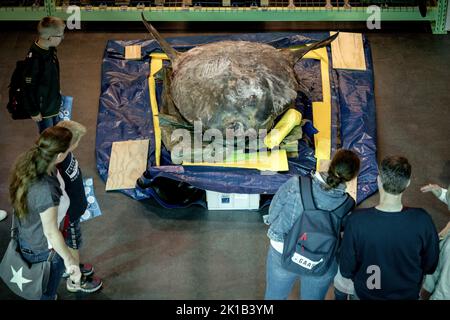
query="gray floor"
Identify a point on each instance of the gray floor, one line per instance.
(143, 251)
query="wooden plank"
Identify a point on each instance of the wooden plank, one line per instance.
(352, 185)
(127, 163)
(133, 52)
(348, 51)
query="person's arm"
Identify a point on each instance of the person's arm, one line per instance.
(438, 283)
(278, 201)
(438, 191)
(424, 294)
(348, 255)
(285, 201)
(444, 231)
(54, 236)
(30, 86)
(430, 251)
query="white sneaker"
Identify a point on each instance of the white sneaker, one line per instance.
(3, 215)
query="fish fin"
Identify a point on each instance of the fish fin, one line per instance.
(299, 53)
(170, 120)
(304, 89)
(167, 48)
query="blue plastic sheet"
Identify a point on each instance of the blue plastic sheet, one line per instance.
(125, 114)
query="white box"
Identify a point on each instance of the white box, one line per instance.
(231, 201)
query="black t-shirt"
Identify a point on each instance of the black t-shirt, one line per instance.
(400, 246)
(73, 179)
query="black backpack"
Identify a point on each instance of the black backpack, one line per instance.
(312, 243)
(16, 95)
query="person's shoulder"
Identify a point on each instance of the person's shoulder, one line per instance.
(62, 166)
(34, 51)
(361, 214)
(445, 248)
(420, 216)
(293, 181)
(44, 184)
(37, 54)
(418, 212)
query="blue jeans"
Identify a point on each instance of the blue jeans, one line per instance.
(279, 281)
(339, 295)
(56, 270)
(47, 123)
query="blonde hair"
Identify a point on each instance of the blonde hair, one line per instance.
(77, 129)
(33, 165)
(49, 26)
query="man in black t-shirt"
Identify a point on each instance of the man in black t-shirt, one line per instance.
(387, 250)
(73, 180)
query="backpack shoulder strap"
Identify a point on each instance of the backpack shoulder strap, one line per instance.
(306, 193)
(14, 229)
(345, 207)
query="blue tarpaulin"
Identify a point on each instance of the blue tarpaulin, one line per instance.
(125, 114)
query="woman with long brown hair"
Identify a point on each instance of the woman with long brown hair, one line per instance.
(40, 204)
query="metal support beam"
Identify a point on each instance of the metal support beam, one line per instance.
(436, 15)
(245, 14)
(22, 13)
(439, 24)
(49, 7)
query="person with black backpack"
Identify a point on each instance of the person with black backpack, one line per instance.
(41, 81)
(305, 217)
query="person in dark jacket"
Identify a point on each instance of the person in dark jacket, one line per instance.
(41, 82)
(387, 250)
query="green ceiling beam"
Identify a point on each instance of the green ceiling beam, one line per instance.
(246, 14)
(436, 15)
(22, 13)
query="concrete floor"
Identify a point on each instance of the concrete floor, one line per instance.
(143, 251)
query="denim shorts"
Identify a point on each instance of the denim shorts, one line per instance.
(72, 234)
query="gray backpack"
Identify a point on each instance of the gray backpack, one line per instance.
(311, 245)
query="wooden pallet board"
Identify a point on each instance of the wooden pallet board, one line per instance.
(133, 52)
(348, 51)
(127, 162)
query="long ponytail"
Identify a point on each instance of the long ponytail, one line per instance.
(343, 168)
(34, 164)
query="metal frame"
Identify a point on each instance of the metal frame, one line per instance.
(439, 24)
(22, 13)
(436, 15)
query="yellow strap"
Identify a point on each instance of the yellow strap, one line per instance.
(155, 65)
(275, 160)
(322, 109)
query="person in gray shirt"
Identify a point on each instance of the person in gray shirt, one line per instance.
(437, 285)
(40, 204)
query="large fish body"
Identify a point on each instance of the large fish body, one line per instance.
(237, 85)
